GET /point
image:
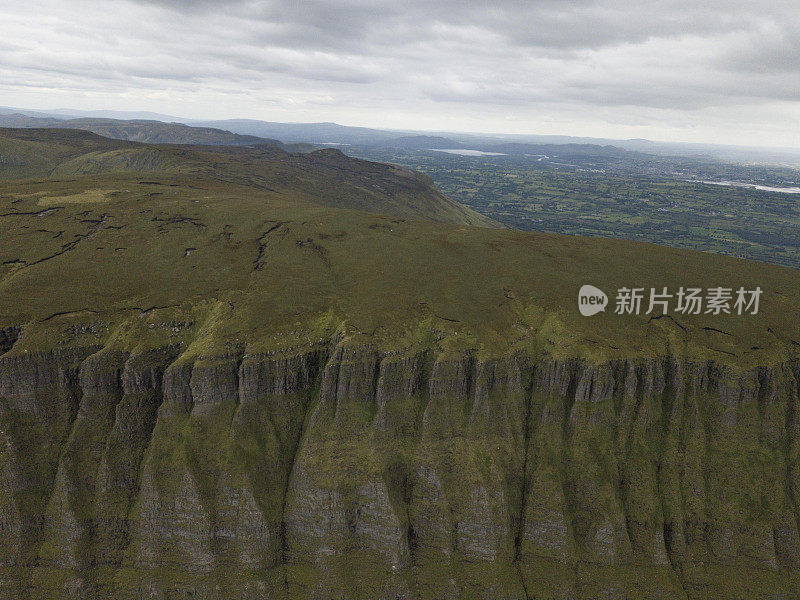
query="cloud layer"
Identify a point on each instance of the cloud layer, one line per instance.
(718, 71)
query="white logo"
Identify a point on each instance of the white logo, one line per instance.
(591, 300)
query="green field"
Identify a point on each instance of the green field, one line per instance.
(747, 223)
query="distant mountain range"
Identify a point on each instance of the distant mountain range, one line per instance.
(147, 131)
(227, 133)
(155, 127)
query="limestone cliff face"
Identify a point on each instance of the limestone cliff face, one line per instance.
(343, 472)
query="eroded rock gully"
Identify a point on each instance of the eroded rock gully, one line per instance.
(342, 472)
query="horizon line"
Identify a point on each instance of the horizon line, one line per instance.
(68, 113)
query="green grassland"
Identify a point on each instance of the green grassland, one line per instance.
(118, 229)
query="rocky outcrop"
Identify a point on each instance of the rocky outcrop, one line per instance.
(344, 471)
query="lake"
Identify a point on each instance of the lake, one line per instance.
(467, 152)
(765, 188)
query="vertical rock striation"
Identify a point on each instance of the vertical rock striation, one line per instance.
(349, 472)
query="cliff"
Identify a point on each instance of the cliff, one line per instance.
(341, 471)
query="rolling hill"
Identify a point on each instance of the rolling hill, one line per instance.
(326, 177)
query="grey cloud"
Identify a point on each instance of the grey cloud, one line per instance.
(417, 57)
(541, 23)
(775, 48)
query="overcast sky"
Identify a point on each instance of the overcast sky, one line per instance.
(723, 71)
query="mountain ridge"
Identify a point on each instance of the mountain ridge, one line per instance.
(148, 131)
(300, 131)
(335, 180)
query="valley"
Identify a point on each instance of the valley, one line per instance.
(682, 202)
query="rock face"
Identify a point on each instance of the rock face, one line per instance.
(342, 472)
